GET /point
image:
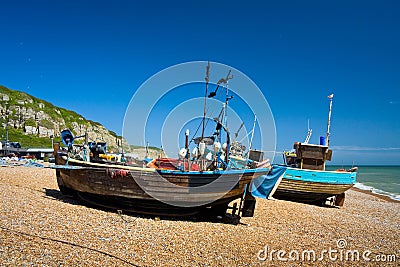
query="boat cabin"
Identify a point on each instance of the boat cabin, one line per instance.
(308, 156)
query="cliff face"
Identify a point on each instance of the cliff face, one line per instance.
(29, 115)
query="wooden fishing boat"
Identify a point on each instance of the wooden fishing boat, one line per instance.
(306, 179)
(309, 182)
(205, 181)
(149, 190)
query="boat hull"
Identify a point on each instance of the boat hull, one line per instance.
(154, 192)
(313, 186)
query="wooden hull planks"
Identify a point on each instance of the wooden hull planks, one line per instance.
(312, 185)
(142, 190)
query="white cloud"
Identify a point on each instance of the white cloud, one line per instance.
(359, 148)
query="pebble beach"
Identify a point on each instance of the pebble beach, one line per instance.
(41, 227)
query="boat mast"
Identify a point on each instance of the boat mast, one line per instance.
(252, 133)
(329, 119)
(205, 99)
(225, 119)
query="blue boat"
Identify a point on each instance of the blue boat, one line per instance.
(306, 180)
(315, 186)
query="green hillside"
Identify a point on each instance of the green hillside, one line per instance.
(32, 121)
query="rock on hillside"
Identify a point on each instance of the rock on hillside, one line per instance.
(34, 116)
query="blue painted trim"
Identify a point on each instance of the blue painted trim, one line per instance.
(330, 177)
(260, 170)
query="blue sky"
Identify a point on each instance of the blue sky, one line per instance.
(91, 56)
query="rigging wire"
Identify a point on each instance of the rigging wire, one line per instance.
(208, 119)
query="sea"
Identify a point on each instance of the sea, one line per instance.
(382, 180)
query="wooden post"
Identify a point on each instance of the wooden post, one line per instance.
(339, 200)
(187, 150)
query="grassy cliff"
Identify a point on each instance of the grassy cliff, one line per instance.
(32, 121)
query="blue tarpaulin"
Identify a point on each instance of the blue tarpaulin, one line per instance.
(263, 185)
